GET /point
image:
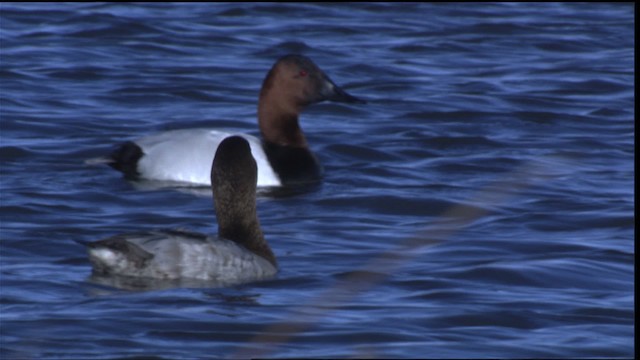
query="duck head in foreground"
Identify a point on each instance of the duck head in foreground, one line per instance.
(238, 254)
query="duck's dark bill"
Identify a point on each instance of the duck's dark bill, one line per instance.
(340, 95)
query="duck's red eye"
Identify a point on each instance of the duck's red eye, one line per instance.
(302, 73)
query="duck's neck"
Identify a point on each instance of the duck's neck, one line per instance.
(279, 123)
(238, 221)
(250, 236)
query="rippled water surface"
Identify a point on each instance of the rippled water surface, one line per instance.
(480, 204)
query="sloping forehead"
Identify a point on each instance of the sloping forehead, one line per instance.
(298, 61)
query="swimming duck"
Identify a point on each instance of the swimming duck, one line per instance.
(238, 254)
(282, 155)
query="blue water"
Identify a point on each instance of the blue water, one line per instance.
(480, 205)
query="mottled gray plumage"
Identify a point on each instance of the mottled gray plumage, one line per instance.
(239, 254)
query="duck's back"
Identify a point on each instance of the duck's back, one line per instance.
(185, 155)
(178, 254)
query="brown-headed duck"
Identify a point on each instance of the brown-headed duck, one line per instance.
(282, 155)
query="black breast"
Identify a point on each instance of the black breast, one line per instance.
(293, 164)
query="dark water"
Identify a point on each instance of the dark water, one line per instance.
(481, 204)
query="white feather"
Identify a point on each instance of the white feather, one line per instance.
(186, 155)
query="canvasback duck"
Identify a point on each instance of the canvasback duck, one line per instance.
(238, 254)
(283, 156)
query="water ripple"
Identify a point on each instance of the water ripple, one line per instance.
(492, 166)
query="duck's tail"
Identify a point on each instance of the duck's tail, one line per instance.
(124, 159)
